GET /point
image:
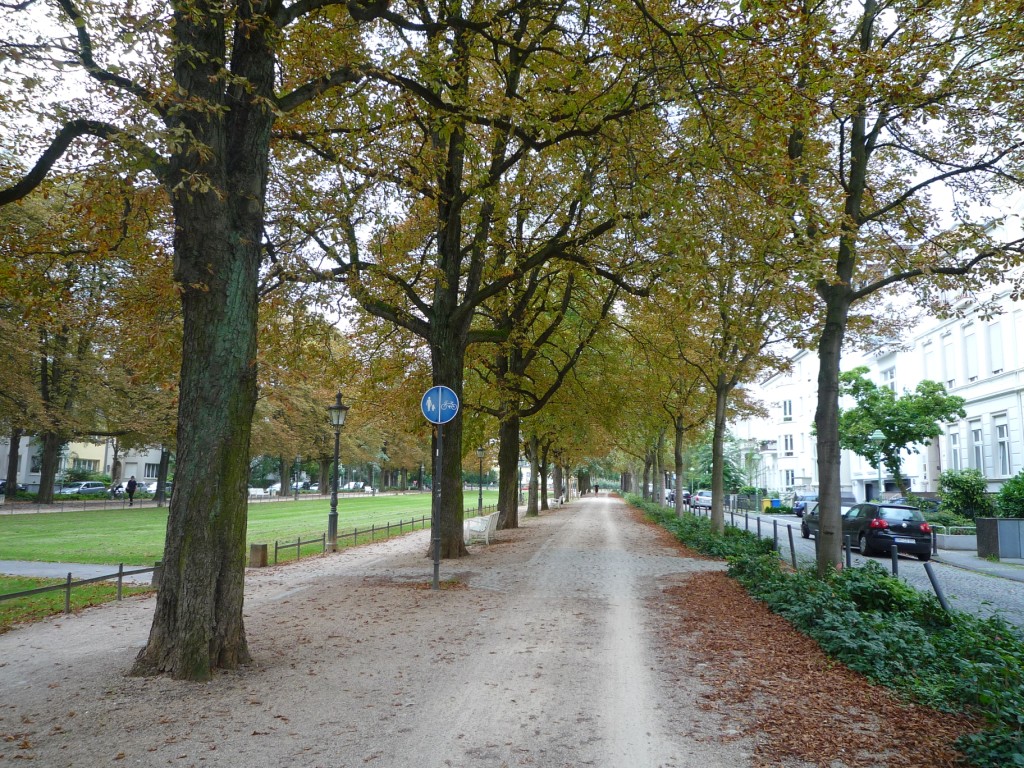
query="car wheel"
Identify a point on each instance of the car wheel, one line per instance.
(805, 531)
(925, 557)
(865, 548)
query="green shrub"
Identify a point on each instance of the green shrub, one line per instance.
(1010, 499)
(964, 493)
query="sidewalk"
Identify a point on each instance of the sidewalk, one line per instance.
(1009, 568)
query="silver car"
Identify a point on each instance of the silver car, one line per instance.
(701, 499)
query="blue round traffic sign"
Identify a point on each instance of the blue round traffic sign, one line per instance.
(439, 405)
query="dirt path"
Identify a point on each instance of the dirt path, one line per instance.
(550, 656)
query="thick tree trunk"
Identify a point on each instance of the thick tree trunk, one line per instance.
(448, 351)
(50, 463)
(532, 509)
(677, 457)
(508, 472)
(659, 469)
(197, 624)
(556, 479)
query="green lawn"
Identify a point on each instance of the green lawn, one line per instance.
(37, 606)
(136, 536)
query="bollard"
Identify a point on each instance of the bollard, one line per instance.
(759, 527)
(792, 548)
(935, 585)
(848, 546)
(775, 534)
(258, 556)
(895, 552)
(935, 542)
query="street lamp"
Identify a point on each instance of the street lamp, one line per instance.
(692, 470)
(878, 437)
(337, 413)
(480, 499)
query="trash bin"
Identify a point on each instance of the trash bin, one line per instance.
(776, 502)
(765, 503)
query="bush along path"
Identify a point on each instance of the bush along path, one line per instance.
(969, 668)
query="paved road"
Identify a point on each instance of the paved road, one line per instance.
(970, 583)
(41, 570)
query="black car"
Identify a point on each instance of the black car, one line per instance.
(874, 528)
(19, 487)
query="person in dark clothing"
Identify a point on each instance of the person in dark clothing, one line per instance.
(130, 490)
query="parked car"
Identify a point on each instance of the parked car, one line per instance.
(925, 504)
(315, 487)
(701, 499)
(258, 492)
(874, 528)
(800, 502)
(86, 488)
(20, 487)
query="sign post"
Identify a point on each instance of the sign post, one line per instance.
(439, 406)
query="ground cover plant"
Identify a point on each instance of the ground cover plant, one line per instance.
(893, 634)
(135, 536)
(23, 609)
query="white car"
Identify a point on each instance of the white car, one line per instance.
(258, 492)
(701, 499)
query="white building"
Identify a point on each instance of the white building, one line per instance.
(978, 357)
(95, 456)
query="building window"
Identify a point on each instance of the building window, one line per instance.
(949, 360)
(86, 465)
(954, 451)
(37, 463)
(787, 410)
(971, 353)
(977, 447)
(1003, 446)
(995, 347)
(152, 471)
(787, 445)
(889, 378)
(789, 478)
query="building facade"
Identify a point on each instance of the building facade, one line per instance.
(91, 456)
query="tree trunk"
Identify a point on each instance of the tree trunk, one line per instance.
(508, 472)
(826, 424)
(722, 390)
(556, 479)
(218, 234)
(659, 469)
(677, 457)
(50, 463)
(532, 509)
(161, 476)
(12, 461)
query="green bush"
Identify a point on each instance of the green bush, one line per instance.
(964, 493)
(1010, 499)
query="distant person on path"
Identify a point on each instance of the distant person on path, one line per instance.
(130, 490)
(597, 488)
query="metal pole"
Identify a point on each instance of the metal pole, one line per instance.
(792, 547)
(332, 518)
(849, 551)
(775, 534)
(297, 460)
(895, 553)
(935, 585)
(435, 517)
(480, 498)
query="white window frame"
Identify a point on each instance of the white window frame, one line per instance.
(995, 347)
(1002, 431)
(977, 446)
(787, 446)
(789, 478)
(787, 410)
(889, 377)
(954, 451)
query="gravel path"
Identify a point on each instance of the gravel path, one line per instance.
(544, 651)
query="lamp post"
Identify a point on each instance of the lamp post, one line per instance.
(384, 466)
(877, 437)
(337, 413)
(692, 470)
(298, 464)
(480, 498)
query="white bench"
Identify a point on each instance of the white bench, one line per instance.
(477, 528)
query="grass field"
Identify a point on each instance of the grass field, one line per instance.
(49, 603)
(136, 536)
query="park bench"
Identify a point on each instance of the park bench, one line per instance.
(477, 528)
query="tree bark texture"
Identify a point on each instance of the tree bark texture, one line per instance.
(508, 472)
(197, 625)
(722, 390)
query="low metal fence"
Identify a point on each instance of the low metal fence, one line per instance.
(69, 584)
(371, 534)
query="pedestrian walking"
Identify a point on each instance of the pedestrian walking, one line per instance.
(130, 490)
